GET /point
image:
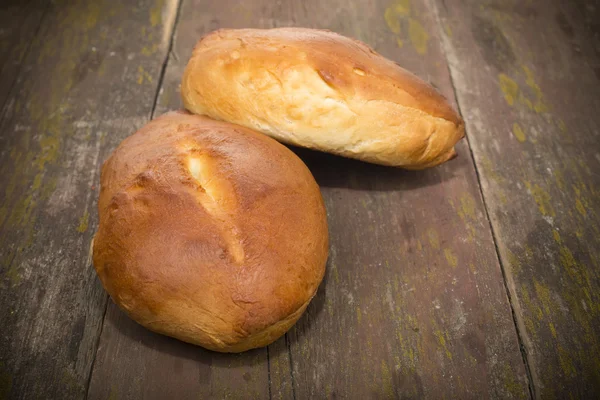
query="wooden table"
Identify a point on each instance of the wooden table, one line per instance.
(476, 279)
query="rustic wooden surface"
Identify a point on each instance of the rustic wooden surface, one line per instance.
(85, 82)
(527, 76)
(414, 303)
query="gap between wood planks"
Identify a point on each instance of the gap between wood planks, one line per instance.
(156, 94)
(444, 45)
(167, 57)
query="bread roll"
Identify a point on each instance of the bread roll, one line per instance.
(209, 232)
(321, 90)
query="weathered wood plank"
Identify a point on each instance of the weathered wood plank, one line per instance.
(152, 366)
(89, 80)
(19, 22)
(135, 363)
(413, 304)
(527, 76)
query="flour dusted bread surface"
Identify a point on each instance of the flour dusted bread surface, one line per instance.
(209, 232)
(321, 90)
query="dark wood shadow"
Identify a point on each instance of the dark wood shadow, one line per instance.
(333, 171)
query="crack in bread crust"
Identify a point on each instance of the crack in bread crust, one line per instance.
(217, 198)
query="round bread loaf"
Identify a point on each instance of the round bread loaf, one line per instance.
(209, 232)
(324, 91)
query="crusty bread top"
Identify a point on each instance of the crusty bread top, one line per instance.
(209, 232)
(321, 90)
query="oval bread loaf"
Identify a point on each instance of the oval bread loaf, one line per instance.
(209, 232)
(324, 91)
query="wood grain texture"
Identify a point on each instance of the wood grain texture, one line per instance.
(413, 303)
(152, 366)
(135, 363)
(527, 76)
(19, 23)
(88, 80)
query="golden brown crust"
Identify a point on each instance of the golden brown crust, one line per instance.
(209, 232)
(321, 90)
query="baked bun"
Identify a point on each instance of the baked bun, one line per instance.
(321, 90)
(209, 232)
